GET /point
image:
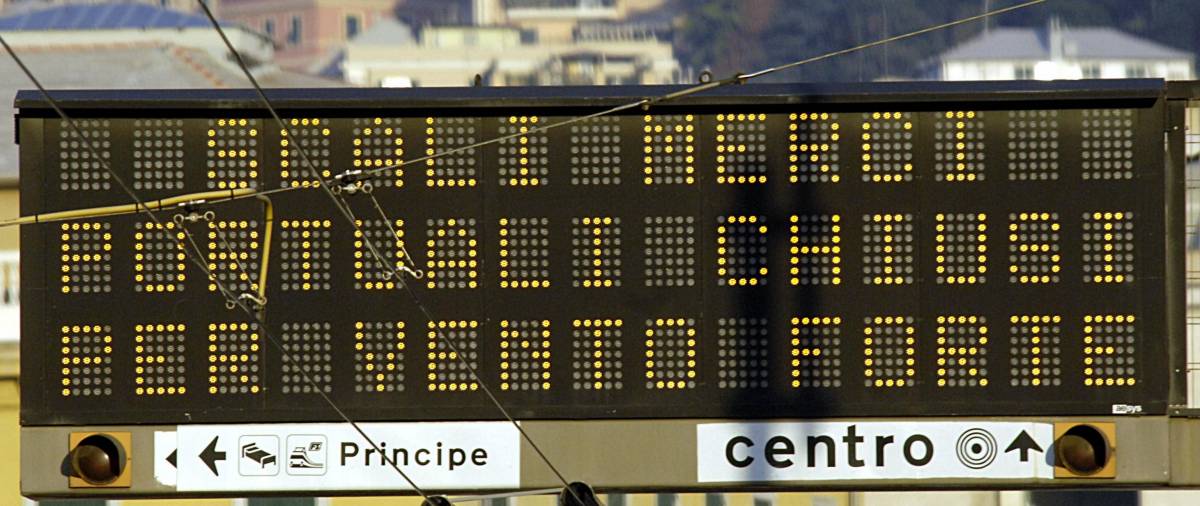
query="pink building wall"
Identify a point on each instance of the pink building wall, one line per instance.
(323, 25)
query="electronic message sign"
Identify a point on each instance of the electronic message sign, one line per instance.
(761, 251)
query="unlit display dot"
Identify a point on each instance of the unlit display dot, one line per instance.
(889, 351)
(742, 346)
(1033, 248)
(1033, 145)
(1108, 247)
(452, 346)
(596, 359)
(887, 145)
(158, 161)
(670, 353)
(379, 143)
(741, 250)
(390, 242)
(159, 351)
(669, 149)
(231, 153)
(1107, 144)
(962, 345)
(453, 170)
(741, 149)
(234, 358)
(960, 248)
(815, 350)
(233, 254)
(86, 360)
(815, 249)
(670, 250)
(523, 160)
(1109, 350)
(78, 168)
(596, 252)
(452, 253)
(306, 155)
(379, 356)
(813, 140)
(159, 259)
(958, 147)
(1035, 350)
(524, 253)
(595, 153)
(85, 257)
(525, 355)
(308, 351)
(304, 255)
(889, 247)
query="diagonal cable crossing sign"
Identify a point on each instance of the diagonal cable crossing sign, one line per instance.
(910, 254)
(764, 252)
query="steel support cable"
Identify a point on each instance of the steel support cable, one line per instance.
(290, 134)
(252, 312)
(646, 102)
(482, 385)
(344, 208)
(312, 383)
(703, 87)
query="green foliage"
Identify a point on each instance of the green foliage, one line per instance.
(740, 35)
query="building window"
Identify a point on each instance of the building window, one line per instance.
(353, 26)
(1023, 71)
(269, 28)
(294, 34)
(1135, 70)
(1091, 71)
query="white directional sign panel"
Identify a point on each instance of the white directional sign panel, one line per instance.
(761, 452)
(166, 454)
(286, 457)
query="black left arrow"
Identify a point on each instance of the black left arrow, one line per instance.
(171, 458)
(210, 456)
(1024, 443)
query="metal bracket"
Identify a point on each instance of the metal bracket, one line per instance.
(189, 212)
(352, 182)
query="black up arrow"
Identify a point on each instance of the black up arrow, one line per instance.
(1024, 443)
(210, 456)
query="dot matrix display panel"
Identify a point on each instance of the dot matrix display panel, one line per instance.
(739, 256)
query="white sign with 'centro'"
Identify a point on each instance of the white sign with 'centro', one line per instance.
(804, 451)
(297, 457)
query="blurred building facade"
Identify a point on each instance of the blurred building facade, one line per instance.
(559, 20)
(309, 35)
(515, 42)
(1056, 51)
(13, 6)
(394, 55)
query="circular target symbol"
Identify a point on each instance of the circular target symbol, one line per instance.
(976, 448)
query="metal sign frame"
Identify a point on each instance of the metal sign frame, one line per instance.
(1155, 296)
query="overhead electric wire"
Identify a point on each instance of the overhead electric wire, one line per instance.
(349, 215)
(645, 102)
(141, 206)
(252, 312)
